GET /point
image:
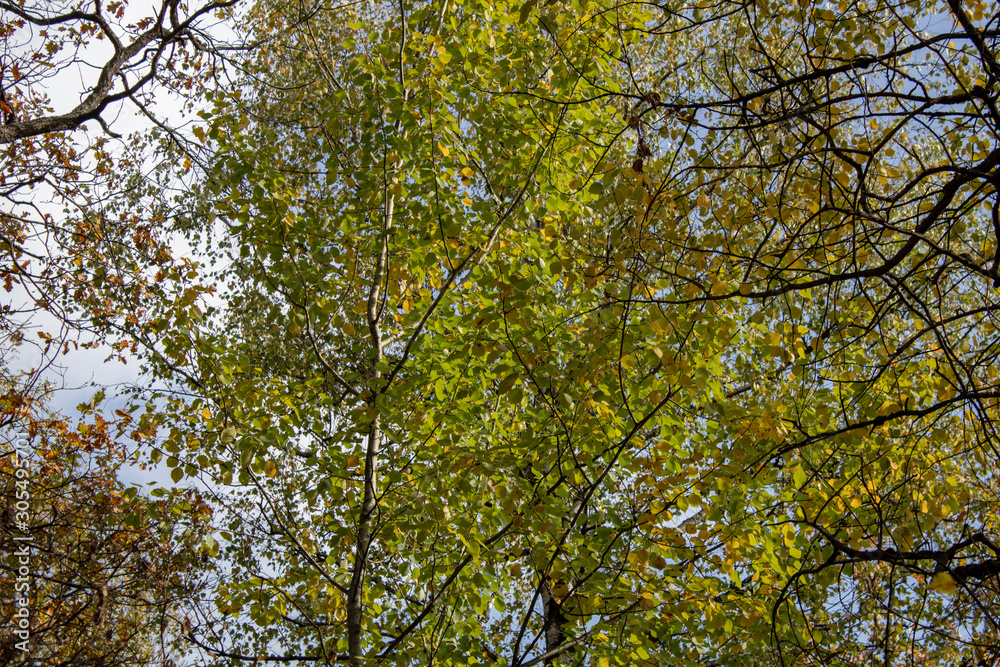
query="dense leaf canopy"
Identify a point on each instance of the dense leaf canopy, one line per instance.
(579, 332)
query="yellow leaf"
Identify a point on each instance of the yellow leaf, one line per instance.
(944, 583)
(444, 150)
(270, 469)
(560, 590)
(940, 511)
(206, 413)
(704, 201)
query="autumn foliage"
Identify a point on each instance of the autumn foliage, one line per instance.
(575, 332)
(110, 569)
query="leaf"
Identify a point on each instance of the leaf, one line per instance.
(525, 11)
(211, 546)
(944, 583)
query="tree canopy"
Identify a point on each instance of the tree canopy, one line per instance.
(104, 575)
(581, 333)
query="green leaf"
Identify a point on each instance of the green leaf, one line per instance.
(525, 11)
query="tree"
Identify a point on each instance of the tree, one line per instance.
(66, 70)
(846, 191)
(96, 595)
(588, 334)
(98, 573)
